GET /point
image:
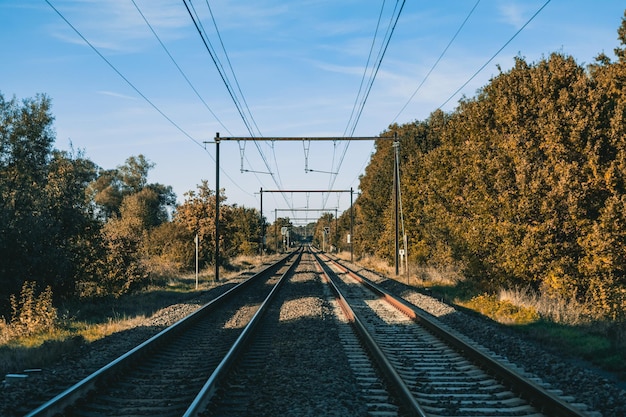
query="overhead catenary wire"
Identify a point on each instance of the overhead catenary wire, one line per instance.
(367, 64)
(205, 40)
(248, 118)
(252, 121)
(225, 79)
(232, 71)
(374, 72)
(495, 54)
(437, 61)
(143, 96)
(381, 55)
(178, 67)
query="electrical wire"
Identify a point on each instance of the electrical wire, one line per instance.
(214, 58)
(437, 61)
(178, 67)
(204, 37)
(367, 64)
(494, 55)
(374, 73)
(154, 106)
(247, 111)
(244, 109)
(232, 71)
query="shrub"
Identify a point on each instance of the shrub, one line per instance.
(32, 313)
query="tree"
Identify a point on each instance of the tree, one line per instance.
(170, 247)
(197, 215)
(126, 237)
(112, 186)
(373, 204)
(46, 219)
(245, 231)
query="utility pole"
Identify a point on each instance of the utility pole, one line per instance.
(396, 188)
(196, 240)
(262, 224)
(217, 207)
(351, 227)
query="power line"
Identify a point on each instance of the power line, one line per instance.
(381, 55)
(494, 55)
(225, 79)
(154, 106)
(243, 98)
(390, 30)
(178, 67)
(209, 48)
(436, 62)
(369, 57)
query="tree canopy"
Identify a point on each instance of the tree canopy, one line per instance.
(523, 184)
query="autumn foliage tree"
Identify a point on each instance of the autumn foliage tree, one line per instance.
(523, 184)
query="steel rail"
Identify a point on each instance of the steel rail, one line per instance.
(67, 398)
(206, 394)
(400, 387)
(527, 389)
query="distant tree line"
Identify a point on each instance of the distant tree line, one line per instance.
(522, 185)
(81, 230)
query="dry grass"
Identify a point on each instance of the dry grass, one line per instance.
(92, 332)
(502, 311)
(93, 319)
(428, 276)
(420, 276)
(558, 310)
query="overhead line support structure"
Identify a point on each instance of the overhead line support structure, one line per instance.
(351, 191)
(329, 210)
(217, 141)
(286, 139)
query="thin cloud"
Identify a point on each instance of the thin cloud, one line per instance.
(117, 95)
(513, 14)
(115, 25)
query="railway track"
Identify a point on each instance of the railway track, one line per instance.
(162, 376)
(432, 370)
(305, 361)
(286, 343)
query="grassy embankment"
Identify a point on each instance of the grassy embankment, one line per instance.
(34, 341)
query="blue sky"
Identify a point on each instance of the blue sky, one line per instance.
(299, 66)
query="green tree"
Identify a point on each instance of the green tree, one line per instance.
(112, 186)
(45, 216)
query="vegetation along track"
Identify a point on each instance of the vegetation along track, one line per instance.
(162, 375)
(434, 371)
